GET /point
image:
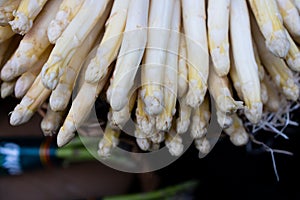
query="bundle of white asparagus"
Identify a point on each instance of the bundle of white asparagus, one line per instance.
(162, 61)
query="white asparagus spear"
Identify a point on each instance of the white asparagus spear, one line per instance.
(273, 103)
(6, 11)
(70, 40)
(203, 145)
(118, 119)
(5, 33)
(219, 89)
(67, 11)
(26, 13)
(270, 23)
(61, 95)
(141, 139)
(160, 17)
(244, 59)
(182, 68)
(80, 109)
(293, 56)
(164, 119)
(109, 141)
(200, 119)
(194, 21)
(218, 34)
(130, 55)
(183, 121)
(25, 81)
(158, 137)
(173, 142)
(33, 99)
(291, 18)
(237, 133)
(224, 119)
(276, 67)
(110, 44)
(145, 123)
(7, 88)
(52, 121)
(33, 44)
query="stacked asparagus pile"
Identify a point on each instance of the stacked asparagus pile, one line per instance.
(243, 54)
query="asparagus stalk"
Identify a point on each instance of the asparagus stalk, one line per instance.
(160, 18)
(34, 98)
(268, 17)
(218, 35)
(7, 88)
(197, 50)
(164, 119)
(245, 64)
(182, 79)
(61, 95)
(52, 121)
(26, 13)
(66, 13)
(31, 47)
(70, 40)
(130, 55)
(276, 67)
(25, 81)
(291, 18)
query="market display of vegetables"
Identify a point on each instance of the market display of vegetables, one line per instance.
(159, 63)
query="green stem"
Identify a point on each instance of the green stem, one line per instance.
(159, 194)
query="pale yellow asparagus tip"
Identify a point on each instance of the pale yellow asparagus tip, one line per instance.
(7, 88)
(273, 103)
(158, 137)
(224, 119)
(203, 145)
(6, 11)
(118, 119)
(237, 133)
(220, 91)
(218, 35)
(183, 121)
(293, 56)
(23, 84)
(174, 144)
(145, 122)
(108, 142)
(141, 139)
(200, 119)
(52, 122)
(25, 14)
(270, 23)
(67, 11)
(64, 135)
